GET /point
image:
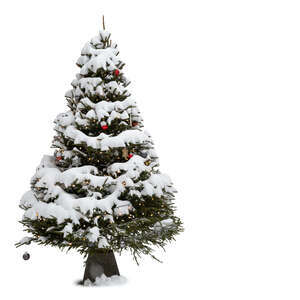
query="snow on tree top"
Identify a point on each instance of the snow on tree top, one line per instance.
(100, 59)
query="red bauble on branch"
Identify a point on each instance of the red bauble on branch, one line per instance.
(58, 158)
(130, 155)
(104, 127)
(117, 72)
(135, 123)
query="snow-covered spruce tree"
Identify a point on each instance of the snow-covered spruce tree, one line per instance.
(101, 191)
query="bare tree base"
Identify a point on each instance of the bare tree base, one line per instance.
(100, 262)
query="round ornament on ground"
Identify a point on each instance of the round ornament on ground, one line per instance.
(26, 256)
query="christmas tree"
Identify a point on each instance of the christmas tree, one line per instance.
(102, 190)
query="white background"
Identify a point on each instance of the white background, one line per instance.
(217, 83)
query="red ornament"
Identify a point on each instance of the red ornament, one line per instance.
(117, 72)
(104, 127)
(58, 158)
(135, 123)
(130, 155)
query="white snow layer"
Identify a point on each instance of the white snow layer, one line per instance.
(105, 59)
(106, 110)
(106, 281)
(52, 182)
(164, 224)
(105, 142)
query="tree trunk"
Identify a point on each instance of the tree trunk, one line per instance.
(100, 262)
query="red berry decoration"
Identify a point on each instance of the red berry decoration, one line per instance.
(58, 158)
(130, 155)
(117, 72)
(104, 127)
(135, 123)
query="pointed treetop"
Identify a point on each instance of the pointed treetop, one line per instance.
(103, 23)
